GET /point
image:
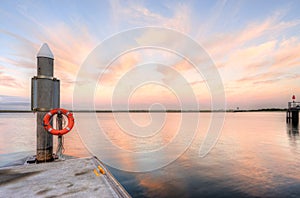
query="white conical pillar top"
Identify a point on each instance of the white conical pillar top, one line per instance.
(45, 52)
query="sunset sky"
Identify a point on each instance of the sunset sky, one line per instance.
(255, 45)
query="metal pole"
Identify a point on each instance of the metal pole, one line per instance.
(60, 137)
(45, 101)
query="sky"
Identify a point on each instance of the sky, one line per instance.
(254, 45)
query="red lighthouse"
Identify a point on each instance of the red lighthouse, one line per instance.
(294, 98)
(292, 113)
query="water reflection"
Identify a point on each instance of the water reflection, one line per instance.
(257, 155)
(293, 129)
(293, 134)
(18, 141)
(253, 158)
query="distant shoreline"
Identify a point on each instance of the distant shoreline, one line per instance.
(156, 111)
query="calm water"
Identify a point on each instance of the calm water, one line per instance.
(257, 154)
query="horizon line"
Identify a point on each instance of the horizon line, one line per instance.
(154, 111)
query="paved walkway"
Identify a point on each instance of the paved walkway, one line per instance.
(79, 177)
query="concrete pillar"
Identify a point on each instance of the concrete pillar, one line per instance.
(44, 102)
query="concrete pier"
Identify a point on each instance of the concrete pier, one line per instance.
(81, 177)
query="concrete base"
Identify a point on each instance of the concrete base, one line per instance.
(70, 178)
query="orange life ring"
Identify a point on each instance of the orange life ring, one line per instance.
(49, 128)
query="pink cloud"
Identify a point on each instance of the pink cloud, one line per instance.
(220, 46)
(118, 68)
(138, 15)
(9, 81)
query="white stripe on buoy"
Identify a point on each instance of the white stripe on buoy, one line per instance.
(50, 129)
(67, 113)
(68, 128)
(49, 114)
